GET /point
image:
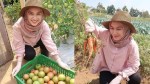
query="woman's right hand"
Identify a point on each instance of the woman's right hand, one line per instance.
(18, 66)
(89, 25)
(16, 69)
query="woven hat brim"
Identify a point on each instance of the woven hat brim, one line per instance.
(22, 12)
(132, 28)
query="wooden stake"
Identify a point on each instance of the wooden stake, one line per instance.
(7, 55)
(1, 7)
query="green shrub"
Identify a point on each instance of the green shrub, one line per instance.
(144, 49)
(13, 11)
(63, 15)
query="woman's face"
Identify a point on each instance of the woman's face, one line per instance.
(34, 16)
(117, 30)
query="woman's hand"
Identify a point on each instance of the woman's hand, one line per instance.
(18, 66)
(16, 69)
(89, 25)
(116, 80)
(63, 65)
(60, 63)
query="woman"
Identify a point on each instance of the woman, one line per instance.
(118, 58)
(31, 31)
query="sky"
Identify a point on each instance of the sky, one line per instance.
(141, 5)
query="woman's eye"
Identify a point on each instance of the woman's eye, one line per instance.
(111, 28)
(39, 14)
(118, 29)
(30, 13)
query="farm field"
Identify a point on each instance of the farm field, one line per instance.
(142, 38)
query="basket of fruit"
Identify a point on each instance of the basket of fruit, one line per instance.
(43, 70)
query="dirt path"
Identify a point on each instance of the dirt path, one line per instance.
(85, 77)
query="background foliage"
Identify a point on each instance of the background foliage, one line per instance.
(62, 21)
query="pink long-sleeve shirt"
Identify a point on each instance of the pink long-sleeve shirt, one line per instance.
(22, 38)
(124, 60)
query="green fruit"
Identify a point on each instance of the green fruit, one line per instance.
(61, 77)
(35, 78)
(55, 79)
(41, 74)
(29, 81)
(66, 4)
(68, 79)
(46, 79)
(36, 82)
(50, 6)
(37, 66)
(61, 82)
(60, 20)
(41, 80)
(71, 81)
(31, 75)
(45, 4)
(69, 7)
(41, 69)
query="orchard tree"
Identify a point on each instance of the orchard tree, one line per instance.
(94, 10)
(145, 14)
(137, 12)
(101, 8)
(134, 12)
(125, 8)
(140, 14)
(111, 10)
(83, 5)
(118, 9)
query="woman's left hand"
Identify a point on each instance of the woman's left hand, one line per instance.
(63, 65)
(116, 80)
(89, 25)
(59, 61)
